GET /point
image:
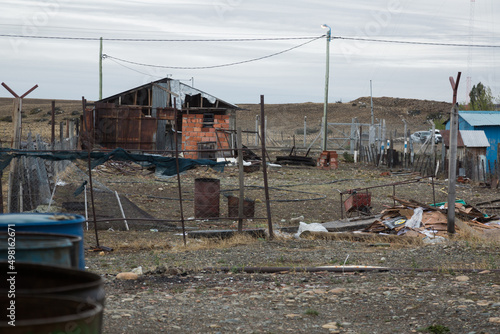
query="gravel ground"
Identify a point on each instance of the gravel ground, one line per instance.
(179, 294)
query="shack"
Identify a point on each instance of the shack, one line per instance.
(487, 121)
(143, 119)
(472, 147)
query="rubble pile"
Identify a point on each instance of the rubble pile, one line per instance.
(415, 219)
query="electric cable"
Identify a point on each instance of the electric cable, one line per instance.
(159, 39)
(212, 66)
(415, 42)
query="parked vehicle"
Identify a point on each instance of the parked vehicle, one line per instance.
(437, 136)
(421, 136)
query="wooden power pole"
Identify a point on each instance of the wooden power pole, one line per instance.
(15, 144)
(452, 168)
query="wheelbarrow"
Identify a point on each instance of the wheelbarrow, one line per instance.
(359, 203)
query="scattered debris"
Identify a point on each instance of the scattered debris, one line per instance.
(358, 202)
(313, 227)
(137, 270)
(427, 222)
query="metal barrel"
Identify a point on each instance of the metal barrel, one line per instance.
(60, 223)
(233, 204)
(74, 239)
(37, 279)
(41, 249)
(49, 314)
(206, 198)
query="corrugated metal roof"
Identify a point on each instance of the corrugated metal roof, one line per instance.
(176, 87)
(473, 138)
(486, 118)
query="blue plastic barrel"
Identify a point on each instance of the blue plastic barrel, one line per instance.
(46, 223)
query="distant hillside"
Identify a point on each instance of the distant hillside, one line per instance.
(286, 118)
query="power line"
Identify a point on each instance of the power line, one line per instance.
(212, 66)
(133, 69)
(250, 40)
(159, 40)
(415, 42)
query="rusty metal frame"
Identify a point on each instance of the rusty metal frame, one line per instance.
(393, 185)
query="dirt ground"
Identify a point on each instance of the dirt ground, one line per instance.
(209, 286)
(213, 286)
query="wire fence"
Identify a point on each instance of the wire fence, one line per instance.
(127, 191)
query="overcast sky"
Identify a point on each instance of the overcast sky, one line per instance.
(68, 69)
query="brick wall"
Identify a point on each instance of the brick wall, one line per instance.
(193, 133)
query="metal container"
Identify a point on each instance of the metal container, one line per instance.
(74, 239)
(49, 314)
(37, 279)
(41, 249)
(46, 223)
(358, 202)
(233, 205)
(206, 198)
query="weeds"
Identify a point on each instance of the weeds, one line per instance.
(435, 329)
(311, 312)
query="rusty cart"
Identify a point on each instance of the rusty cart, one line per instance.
(358, 203)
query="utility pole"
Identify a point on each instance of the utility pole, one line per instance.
(452, 168)
(100, 70)
(14, 190)
(371, 102)
(327, 75)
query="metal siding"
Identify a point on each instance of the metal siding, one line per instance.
(481, 119)
(161, 135)
(474, 138)
(160, 98)
(493, 135)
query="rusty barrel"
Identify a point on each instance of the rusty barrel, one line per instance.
(37, 279)
(206, 198)
(49, 314)
(233, 205)
(33, 250)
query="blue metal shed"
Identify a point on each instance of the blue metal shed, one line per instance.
(488, 121)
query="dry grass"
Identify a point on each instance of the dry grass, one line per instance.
(215, 243)
(141, 244)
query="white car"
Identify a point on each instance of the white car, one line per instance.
(437, 136)
(421, 136)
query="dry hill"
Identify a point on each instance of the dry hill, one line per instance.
(286, 118)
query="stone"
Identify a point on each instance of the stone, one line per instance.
(462, 278)
(296, 220)
(483, 303)
(330, 325)
(495, 320)
(127, 276)
(337, 291)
